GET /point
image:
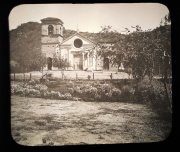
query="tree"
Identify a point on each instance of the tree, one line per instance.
(140, 50)
(143, 51)
(60, 62)
(25, 46)
(14, 66)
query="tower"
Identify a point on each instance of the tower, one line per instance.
(51, 37)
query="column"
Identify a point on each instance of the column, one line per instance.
(68, 56)
(83, 60)
(94, 60)
(88, 59)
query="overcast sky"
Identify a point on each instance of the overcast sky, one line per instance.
(89, 17)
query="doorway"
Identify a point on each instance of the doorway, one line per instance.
(106, 64)
(78, 62)
(49, 63)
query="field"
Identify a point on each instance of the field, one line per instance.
(36, 121)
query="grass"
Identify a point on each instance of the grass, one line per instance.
(40, 123)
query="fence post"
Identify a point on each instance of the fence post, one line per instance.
(93, 76)
(76, 76)
(62, 72)
(24, 76)
(14, 76)
(111, 76)
(30, 76)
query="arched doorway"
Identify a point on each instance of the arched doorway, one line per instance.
(49, 63)
(106, 64)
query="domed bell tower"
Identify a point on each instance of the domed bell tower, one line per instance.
(51, 37)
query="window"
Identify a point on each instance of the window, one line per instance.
(78, 43)
(50, 29)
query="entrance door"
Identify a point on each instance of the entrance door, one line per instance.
(49, 62)
(78, 62)
(106, 64)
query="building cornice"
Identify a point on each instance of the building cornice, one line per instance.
(54, 35)
(48, 43)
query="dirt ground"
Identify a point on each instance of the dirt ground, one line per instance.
(37, 121)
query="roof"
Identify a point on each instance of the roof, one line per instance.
(77, 33)
(50, 19)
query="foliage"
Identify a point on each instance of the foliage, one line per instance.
(128, 93)
(14, 66)
(60, 62)
(153, 94)
(141, 50)
(25, 46)
(37, 91)
(103, 92)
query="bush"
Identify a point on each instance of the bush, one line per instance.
(32, 82)
(104, 92)
(51, 84)
(16, 89)
(152, 93)
(127, 93)
(71, 90)
(67, 96)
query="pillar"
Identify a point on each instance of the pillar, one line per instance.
(94, 60)
(83, 60)
(88, 60)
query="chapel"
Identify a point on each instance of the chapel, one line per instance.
(80, 52)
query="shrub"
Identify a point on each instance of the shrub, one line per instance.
(34, 93)
(67, 96)
(17, 89)
(70, 84)
(127, 93)
(54, 95)
(153, 94)
(71, 90)
(46, 94)
(103, 92)
(32, 82)
(51, 84)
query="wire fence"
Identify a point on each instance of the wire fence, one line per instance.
(75, 75)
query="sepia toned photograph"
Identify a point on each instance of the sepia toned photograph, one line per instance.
(87, 74)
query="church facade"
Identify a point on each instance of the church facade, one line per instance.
(80, 52)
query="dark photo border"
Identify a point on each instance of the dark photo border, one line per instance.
(6, 141)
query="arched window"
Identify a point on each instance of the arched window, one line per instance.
(50, 29)
(60, 30)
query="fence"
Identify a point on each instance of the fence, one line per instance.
(76, 75)
(23, 76)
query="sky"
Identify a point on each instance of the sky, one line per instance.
(90, 17)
